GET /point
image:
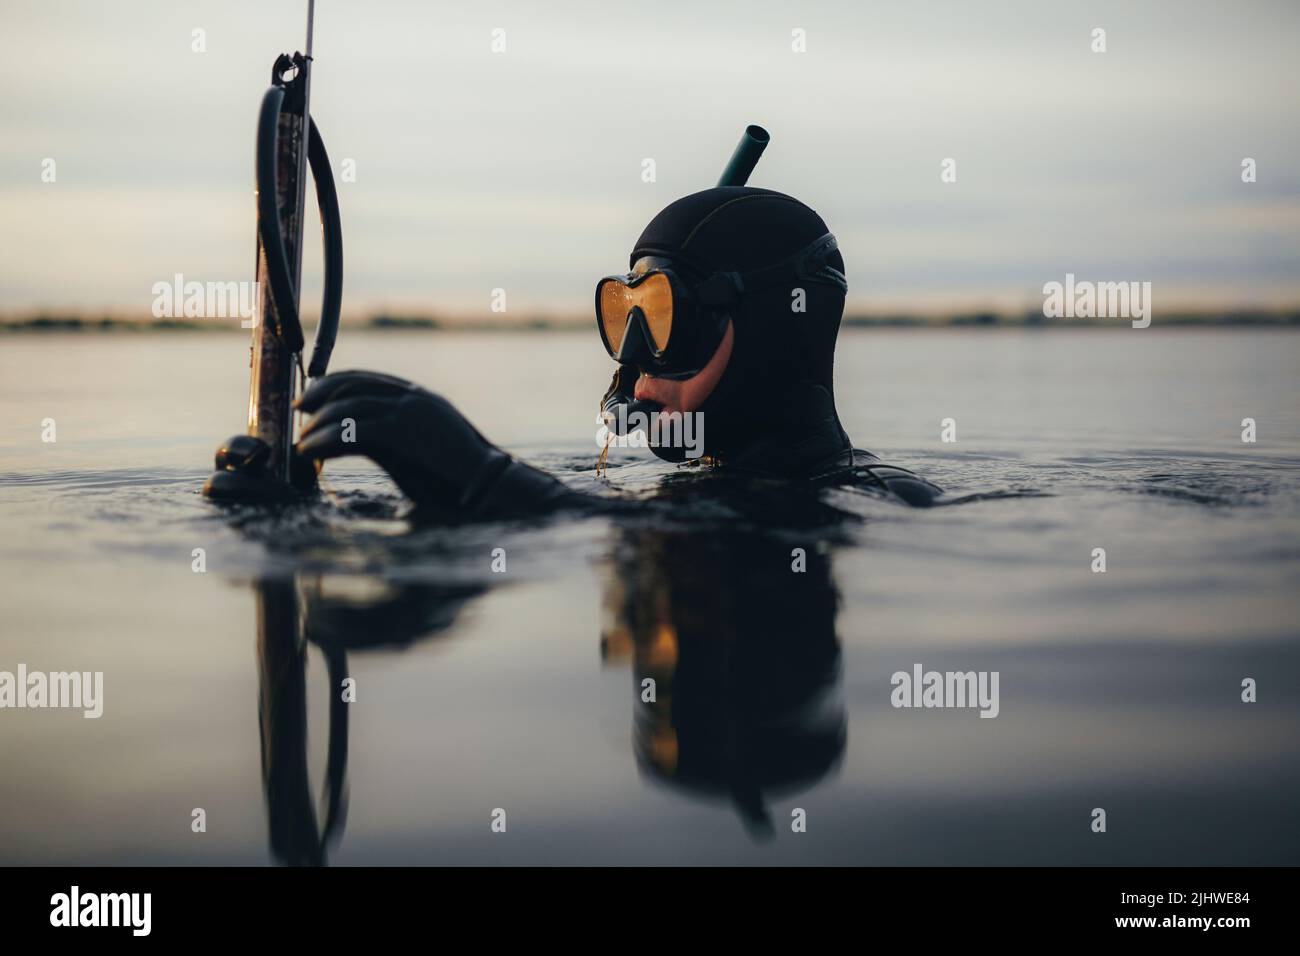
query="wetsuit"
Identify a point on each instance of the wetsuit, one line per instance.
(736, 273)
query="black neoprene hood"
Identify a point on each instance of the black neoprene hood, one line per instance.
(784, 330)
(729, 227)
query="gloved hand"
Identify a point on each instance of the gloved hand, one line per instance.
(429, 448)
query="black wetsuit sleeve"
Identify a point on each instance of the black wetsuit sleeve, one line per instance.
(509, 488)
(901, 483)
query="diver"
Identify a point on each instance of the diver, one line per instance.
(730, 309)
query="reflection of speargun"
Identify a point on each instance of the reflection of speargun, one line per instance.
(292, 614)
(258, 465)
(282, 715)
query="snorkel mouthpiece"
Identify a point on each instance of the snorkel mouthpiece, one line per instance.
(622, 417)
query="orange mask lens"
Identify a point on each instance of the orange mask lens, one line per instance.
(653, 295)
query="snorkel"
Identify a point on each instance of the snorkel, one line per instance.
(752, 143)
(621, 412)
(260, 465)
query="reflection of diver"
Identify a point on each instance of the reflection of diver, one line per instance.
(744, 658)
(731, 309)
(741, 647)
(290, 614)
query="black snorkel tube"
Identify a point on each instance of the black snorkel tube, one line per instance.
(260, 465)
(752, 143)
(619, 410)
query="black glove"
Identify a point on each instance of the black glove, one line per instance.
(429, 448)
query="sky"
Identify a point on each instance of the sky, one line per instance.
(522, 170)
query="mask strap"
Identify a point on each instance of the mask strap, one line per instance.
(808, 264)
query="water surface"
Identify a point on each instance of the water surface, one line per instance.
(521, 691)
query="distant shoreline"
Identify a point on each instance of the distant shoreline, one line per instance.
(56, 322)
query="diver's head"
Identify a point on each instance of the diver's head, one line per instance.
(731, 307)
